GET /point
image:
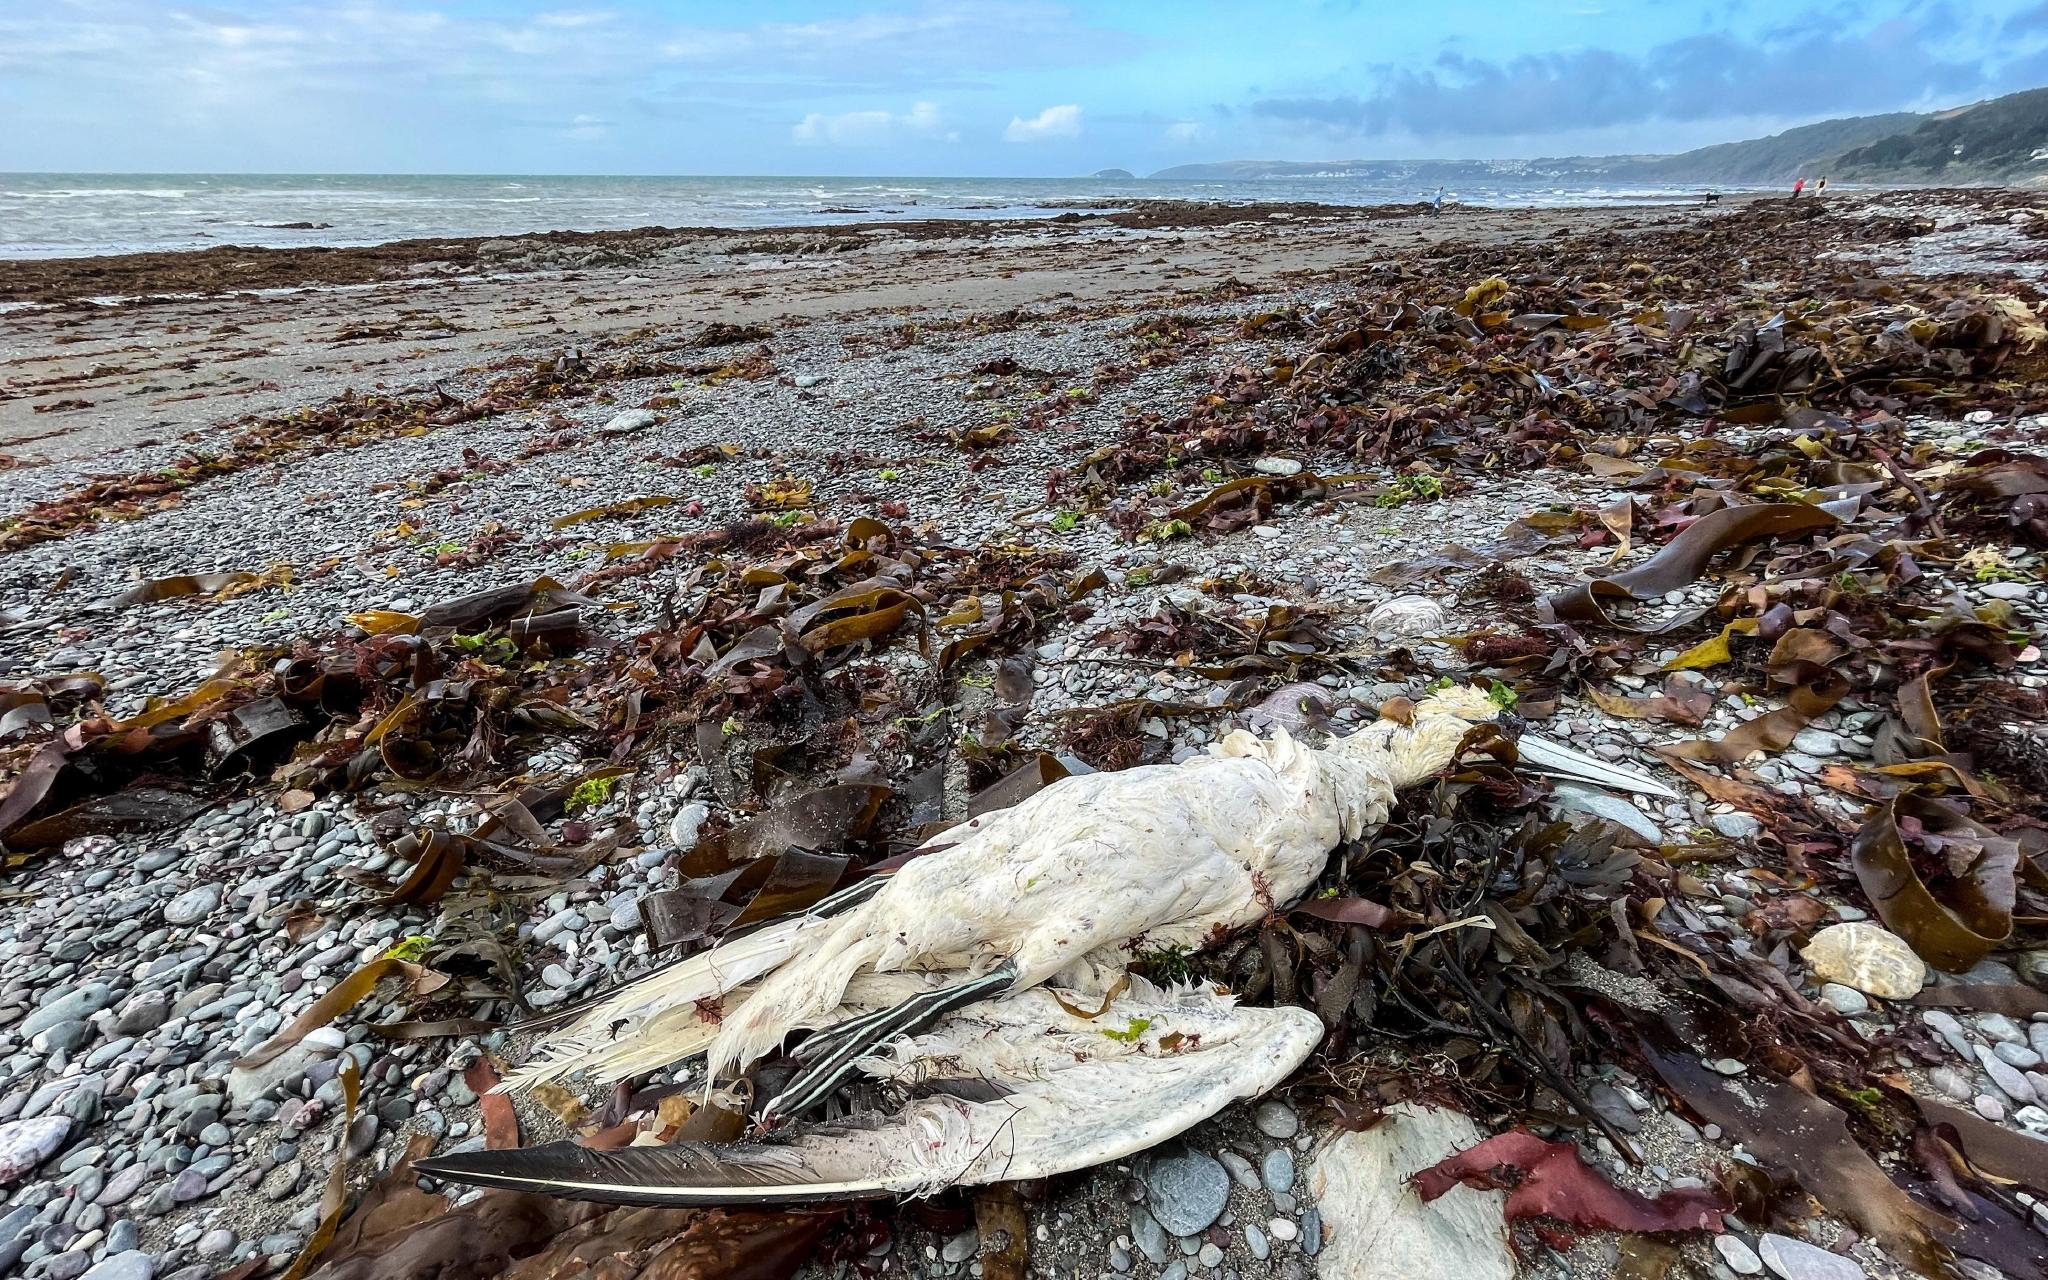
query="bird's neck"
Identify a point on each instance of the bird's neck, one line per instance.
(1404, 754)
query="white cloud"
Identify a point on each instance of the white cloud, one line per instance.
(1183, 133)
(1054, 122)
(871, 128)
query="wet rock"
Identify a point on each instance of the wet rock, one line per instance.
(1276, 1119)
(1570, 797)
(1277, 1170)
(26, 1144)
(134, 1264)
(1739, 1257)
(1871, 959)
(1613, 1108)
(1186, 1190)
(1847, 1001)
(1797, 1260)
(80, 1002)
(1736, 826)
(1379, 1227)
(193, 905)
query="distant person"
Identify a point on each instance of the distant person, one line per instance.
(1820, 188)
(1436, 206)
(1798, 187)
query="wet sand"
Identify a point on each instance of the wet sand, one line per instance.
(212, 337)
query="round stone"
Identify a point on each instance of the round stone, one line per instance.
(1871, 959)
(1847, 1001)
(1186, 1190)
(1276, 1119)
(193, 905)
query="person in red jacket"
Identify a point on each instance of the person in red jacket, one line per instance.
(1798, 187)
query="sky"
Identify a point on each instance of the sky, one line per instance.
(1018, 88)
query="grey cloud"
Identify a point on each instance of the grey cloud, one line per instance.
(1807, 71)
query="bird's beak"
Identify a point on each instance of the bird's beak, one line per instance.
(1540, 755)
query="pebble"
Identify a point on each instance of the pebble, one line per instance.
(1255, 1240)
(1950, 1082)
(683, 829)
(629, 421)
(193, 905)
(133, 1264)
(1241, 1170)
(1847, 1001)
(2006, 1076)
(26, 1144)
(1277, 1171)
(1148, 1235)
(1276, 1119)
(1741, 1259)
(1282, 1228)
(1186, 1190)
(1612, 1107)
(2001, 1028)
(961, 1247)
(1797, 1260)
(1736, 826)
(1569, 797)
(81, 1002)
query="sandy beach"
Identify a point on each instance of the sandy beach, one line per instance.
(1191, 465)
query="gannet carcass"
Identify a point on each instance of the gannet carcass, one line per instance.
(965, 980)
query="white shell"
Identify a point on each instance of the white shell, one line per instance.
(1871, 959)
(1406, 616)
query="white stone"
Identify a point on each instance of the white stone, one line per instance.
(683, 828)
(1872, 959)
(628, 422)
(1376, 1224)
(1798, 1260)
(1406, 616)
(1277, 466)
(1741, 1259)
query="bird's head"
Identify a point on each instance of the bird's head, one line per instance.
(1413, 741)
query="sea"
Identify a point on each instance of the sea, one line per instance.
(44, 215)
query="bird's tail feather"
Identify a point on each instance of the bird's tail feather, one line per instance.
(617, 1036)
(801, 993)
(831, 1056)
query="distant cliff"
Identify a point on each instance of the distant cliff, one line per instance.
(2002, 140)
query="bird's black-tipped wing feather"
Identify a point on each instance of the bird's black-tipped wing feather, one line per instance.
(682, 1173)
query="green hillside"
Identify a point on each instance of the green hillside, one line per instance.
(2003, 140)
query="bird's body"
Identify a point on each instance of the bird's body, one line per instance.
(1063, 889)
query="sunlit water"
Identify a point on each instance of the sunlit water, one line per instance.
(57, 215)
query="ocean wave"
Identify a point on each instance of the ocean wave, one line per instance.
(151, 193)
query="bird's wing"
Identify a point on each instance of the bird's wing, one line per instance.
(1076, 1092)
(652, 1016)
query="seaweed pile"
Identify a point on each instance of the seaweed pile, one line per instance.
(1758, 409)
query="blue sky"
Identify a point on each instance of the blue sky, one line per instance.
(958, 87)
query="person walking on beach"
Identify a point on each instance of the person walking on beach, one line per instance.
(1798, 187)
(1436, 206)
(1820, 188)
